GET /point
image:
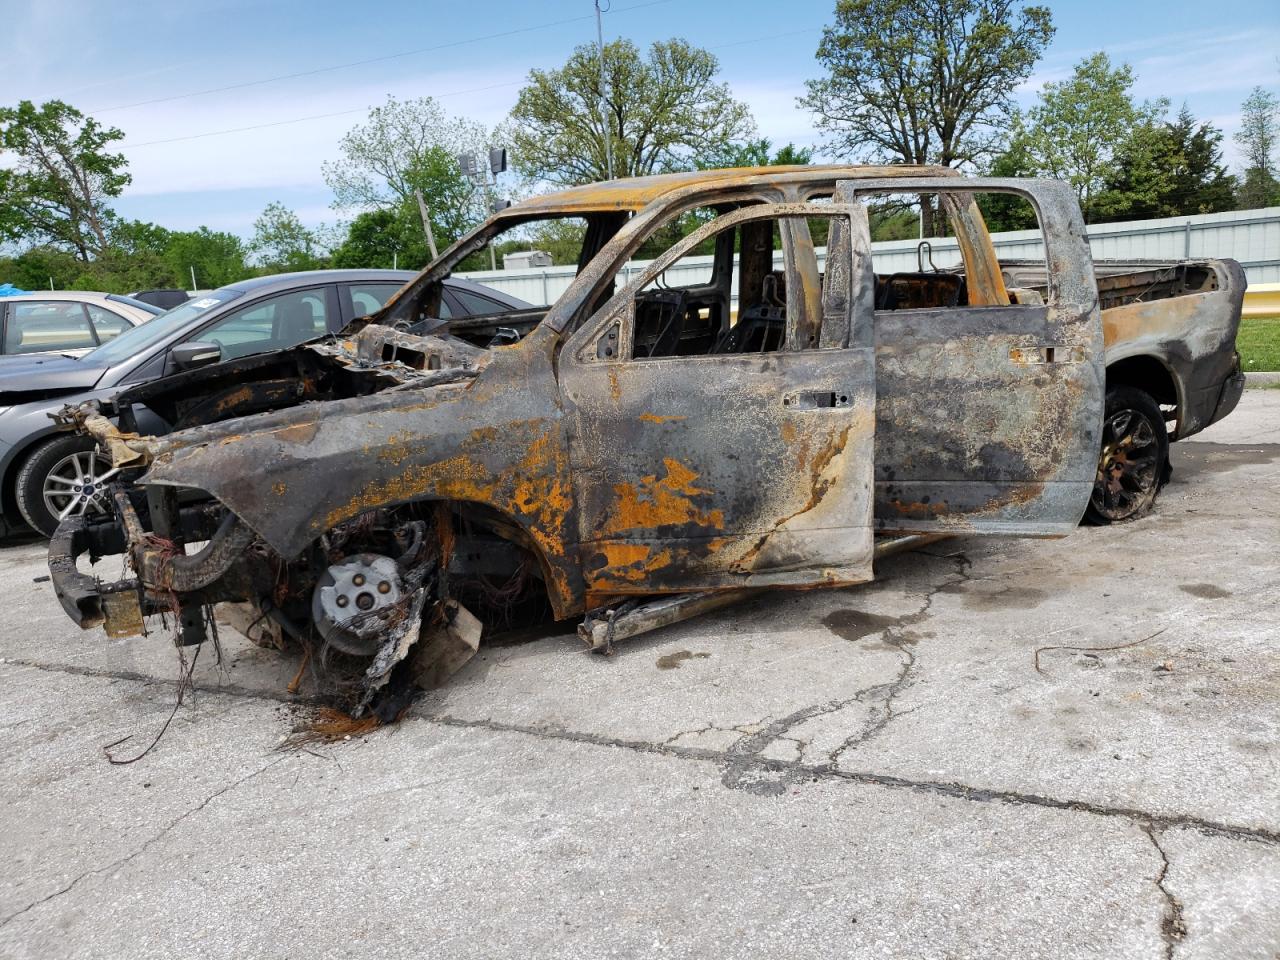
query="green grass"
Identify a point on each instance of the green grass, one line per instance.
(1259, 344)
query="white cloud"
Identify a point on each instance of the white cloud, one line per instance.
(1211, 68)
(777, 114)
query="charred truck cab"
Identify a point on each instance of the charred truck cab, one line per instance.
(663, 438)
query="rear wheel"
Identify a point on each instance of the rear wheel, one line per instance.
(1133, 462)
(63, 477)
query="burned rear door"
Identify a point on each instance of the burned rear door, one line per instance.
(989, 407)
(711, 452)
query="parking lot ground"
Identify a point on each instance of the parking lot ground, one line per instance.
(1001, 748)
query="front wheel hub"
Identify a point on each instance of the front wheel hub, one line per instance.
(355, 601)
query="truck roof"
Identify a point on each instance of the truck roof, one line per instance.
(636, 193)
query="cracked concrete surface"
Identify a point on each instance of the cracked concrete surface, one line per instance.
(873, 772)
(1173, 926)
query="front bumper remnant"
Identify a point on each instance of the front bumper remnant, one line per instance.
(120, 605)
(89, 601)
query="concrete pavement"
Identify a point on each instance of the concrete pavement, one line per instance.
(1001, 748)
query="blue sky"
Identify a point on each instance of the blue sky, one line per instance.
(132, 64)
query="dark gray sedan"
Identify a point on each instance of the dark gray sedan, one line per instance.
(47, 475)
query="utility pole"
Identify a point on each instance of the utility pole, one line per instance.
(604, 110)
(193, 278)
(426, 223)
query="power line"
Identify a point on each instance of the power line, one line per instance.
(454, 93)
(317, 116)
(771, 36)
(362, 63)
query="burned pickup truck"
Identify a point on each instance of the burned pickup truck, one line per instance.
(762, 404)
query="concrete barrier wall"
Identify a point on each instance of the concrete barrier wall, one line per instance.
(1250, 236)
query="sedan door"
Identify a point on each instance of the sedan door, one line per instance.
(47, 326)
(269, 323)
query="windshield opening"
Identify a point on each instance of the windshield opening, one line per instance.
(533, 260)
(135, 341)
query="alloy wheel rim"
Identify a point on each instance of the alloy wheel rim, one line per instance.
(1128, 467)
(77, 485)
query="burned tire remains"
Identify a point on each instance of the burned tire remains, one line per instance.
(371, 605)
(1133, 462)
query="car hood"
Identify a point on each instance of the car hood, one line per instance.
(47, 374)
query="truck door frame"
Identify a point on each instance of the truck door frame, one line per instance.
(989, 416)
(729, 470)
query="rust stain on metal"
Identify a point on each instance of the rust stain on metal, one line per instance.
(397, 448)
(457, 478)
(234, 399)
(1139, 321)
(300, 433)
(657, 502)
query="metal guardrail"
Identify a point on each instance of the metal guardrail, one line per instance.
(1250, 236)
(1262, 300)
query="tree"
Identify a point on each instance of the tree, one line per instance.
(217, 258)
(755, 153)
(60, 177)
(1003, 211)
(140, 256)
(41, 268)
(663, 112)
(406, 146)
(1079, 126)
(1202, 183)
(923, 81)
(281, 243)
(132, 260)
(138, 236)
(384, 238)
(1257, 137)
(1167, 170)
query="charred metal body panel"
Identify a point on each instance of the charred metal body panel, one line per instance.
(969, 436)
(632, 441)
(763, 467)
(495, 438)
(1182, 315)
(1192, 333)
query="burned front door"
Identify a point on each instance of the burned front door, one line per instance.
(989, 401)
(716, 446)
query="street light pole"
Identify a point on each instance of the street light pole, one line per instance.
(604, 111)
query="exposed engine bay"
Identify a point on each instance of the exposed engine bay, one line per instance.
(380, 604)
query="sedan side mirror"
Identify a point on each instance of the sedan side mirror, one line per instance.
(197, 353)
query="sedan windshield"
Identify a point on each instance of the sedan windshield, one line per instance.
(132, 342)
